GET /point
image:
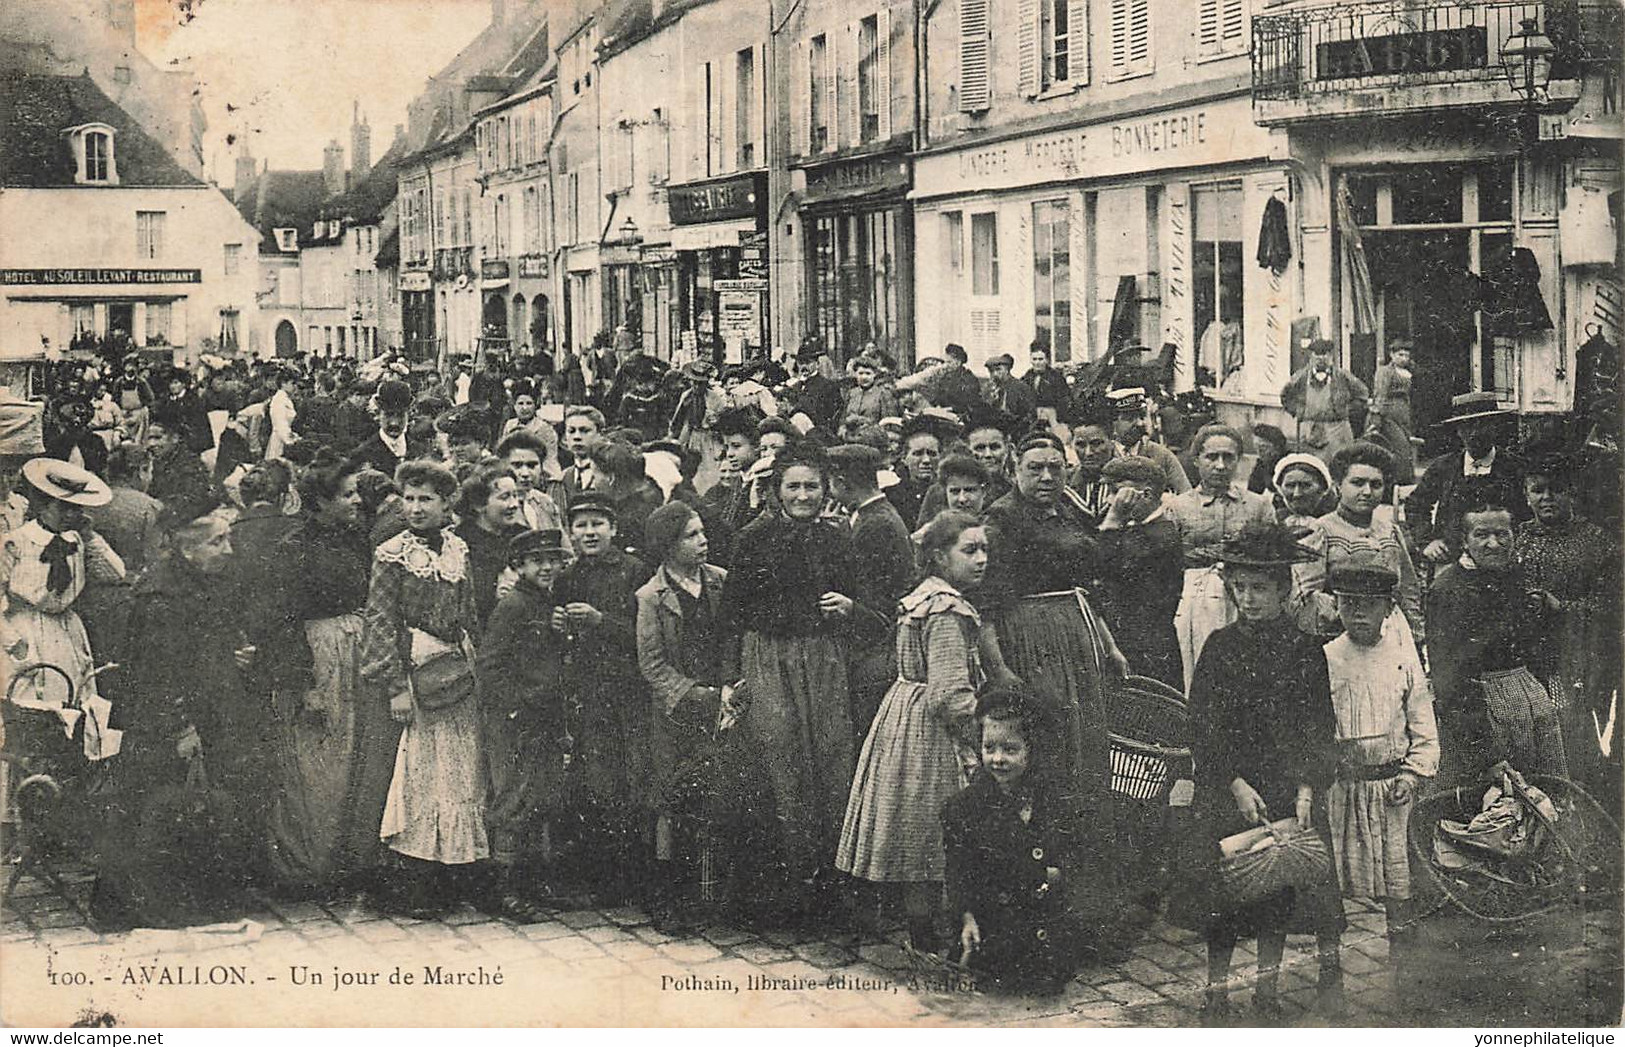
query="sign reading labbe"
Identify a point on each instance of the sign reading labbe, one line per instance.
(1431, 52)
(1221, 132)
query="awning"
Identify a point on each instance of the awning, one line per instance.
(710, 234)
(493, 285)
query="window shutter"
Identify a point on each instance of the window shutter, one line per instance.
(852, 115)
(1233, 24)
(832, 96)
(724, 88)
(1027, 51)
(1208, 34)
(693, 140)
(1119, 36)
(973, 84)
(760, 136)
(883, 70)
(1140, 34)
(801, 101)
(1077, 35)
(1130, 37)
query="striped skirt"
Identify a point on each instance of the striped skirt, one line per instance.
(1523, 718)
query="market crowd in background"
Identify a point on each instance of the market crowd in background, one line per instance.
(789, 641)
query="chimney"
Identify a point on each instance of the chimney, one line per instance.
(360, 146)
(499, 12)
(333, 168)
(245, 174)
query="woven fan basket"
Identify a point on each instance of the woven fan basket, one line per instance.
(1295, 858)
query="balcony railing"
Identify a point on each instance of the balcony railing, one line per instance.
(1377, 44)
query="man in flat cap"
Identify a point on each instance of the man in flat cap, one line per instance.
(1014, 398)
(884, 562)
(1323, 399)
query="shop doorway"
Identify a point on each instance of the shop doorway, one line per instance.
(121, 317)
(287, 340)
(1412, 273)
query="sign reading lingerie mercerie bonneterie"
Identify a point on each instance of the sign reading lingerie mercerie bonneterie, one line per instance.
(100, 276)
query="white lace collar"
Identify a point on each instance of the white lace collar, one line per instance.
(414, 554)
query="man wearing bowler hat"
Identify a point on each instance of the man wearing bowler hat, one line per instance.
(1433, 510)
(386, 449)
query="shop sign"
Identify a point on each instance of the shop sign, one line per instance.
(494, 269)
(533, 265)
(30, 277)
(414, 281)
(860, 177)
(1435, 51)
(753, 256)
(739, 285)
(725, 199)
(1221, 132)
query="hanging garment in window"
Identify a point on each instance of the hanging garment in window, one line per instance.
(1274, 239)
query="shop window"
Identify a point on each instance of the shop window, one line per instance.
(149, 235)
(83, 317)
(984, 254)
(1425, 194)
(1216, 268)
(159, 320)
(745, 107)
(1495, 191)
(1052, 277)
(234, 259)
(953, 236)
(868, 87)
(819, 114)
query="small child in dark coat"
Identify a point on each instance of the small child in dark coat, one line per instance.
(520, 666)
(1015, 846)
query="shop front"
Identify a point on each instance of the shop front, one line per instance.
(858, 255)
(418, 316)
(719, 240)
(1138, 231)
(99, 311)
(497, 333)
(532, 321)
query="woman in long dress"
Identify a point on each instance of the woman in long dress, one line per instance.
(1389, 415)
(320, 830)
(923, 737)
(420, 604)
(1041, 558)
(784, 594)
(1209, 514)
(1577, 563)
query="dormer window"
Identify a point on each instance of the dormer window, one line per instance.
(286, 239)
(94, 162)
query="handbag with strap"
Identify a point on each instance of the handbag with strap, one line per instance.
(442, 674)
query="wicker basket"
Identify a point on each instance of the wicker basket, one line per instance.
(1259, 862)
(1148, 728)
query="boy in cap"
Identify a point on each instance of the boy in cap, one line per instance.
(607, 709)
(520, 665)
(1387, 737)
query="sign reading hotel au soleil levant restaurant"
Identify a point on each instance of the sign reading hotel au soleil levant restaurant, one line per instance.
(58, 277)
(1217, 133)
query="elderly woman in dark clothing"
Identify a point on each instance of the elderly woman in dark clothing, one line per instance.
(488, 512)
(787, 594)
(1264, 738)
(184, 709)
(335, 748)
(1043, 555)
(688, 658)
(1140, 560)
(608, 706)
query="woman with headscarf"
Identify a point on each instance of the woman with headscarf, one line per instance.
(1042, 557)
(320, 829)
(786, 594)
(1303, 487)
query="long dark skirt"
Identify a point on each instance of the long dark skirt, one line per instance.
(799, 728)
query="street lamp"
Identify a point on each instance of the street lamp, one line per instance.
(629, 231)
(1527, 58)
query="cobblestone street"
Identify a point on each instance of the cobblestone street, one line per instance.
(611, 967)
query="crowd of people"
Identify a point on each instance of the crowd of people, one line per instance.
(784, 642)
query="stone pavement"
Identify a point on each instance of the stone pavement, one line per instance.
(613, 967)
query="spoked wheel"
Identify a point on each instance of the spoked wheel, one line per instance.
(1578, 859)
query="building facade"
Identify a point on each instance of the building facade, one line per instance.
(138, 247)
(511, 140)
(845, 233)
